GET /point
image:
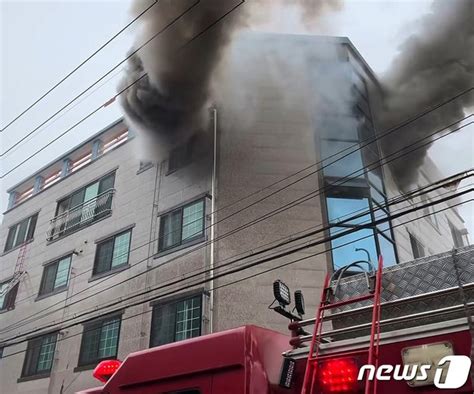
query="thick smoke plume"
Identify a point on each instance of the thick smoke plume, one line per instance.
(434, 64)
(169, 104)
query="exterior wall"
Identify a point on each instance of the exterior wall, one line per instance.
(265, 134)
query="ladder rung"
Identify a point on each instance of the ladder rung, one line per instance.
(348, 301)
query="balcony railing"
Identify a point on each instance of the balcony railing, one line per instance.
(81, 216)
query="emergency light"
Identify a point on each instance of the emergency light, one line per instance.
(299, 302)
(105, 369)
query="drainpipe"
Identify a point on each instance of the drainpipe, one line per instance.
(213, 208)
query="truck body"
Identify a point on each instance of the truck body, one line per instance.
(426, 316)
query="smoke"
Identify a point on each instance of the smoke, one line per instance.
(170, 103)
(434, 64)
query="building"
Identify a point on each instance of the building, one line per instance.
(97, 226)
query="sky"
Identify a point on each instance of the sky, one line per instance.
(42, 41)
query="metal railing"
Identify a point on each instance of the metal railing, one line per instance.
(81, 215)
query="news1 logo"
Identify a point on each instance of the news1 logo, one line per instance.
(451, 372)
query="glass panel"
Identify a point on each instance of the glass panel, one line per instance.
(46, 355)
(387, 249)
(163, 324)
(107, 183)
(62, 275)
(340, 209)
(31, 227)
(171, 230)
(378, 197)
(90, 344)
(343, 164)
(109, 339)
(121, 249)
(3, 293)
(188, 318)
(343, 128)
(76, 199)
(48, 279)
(11, 237)
(193, 220)
(343, 251)
(380, 213)
(88, 209)
(21, 234)
(103, 258)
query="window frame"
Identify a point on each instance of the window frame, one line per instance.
(29, 232)
(175, 301)
(104, 241)
(42, 292)
(9, 298)
(27, 372)
(180, 209)
(93, 325)
(82, 190)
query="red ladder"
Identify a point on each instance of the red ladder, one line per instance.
(314, 358)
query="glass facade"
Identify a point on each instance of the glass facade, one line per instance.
(354, 189)
(55, 276)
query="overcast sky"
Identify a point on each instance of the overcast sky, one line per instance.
(41, 41)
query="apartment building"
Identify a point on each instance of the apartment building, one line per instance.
(97, 244)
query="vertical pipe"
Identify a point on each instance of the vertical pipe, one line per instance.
(212, 232)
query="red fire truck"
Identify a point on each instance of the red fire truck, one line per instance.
(385, 335)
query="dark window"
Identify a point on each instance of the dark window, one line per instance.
(1, 352)
(55, 276)
(181, 156)
(416, 247)
(21, 232)
(175, 321)
(182, 225)
(83, 207)
(100, 341)
(145, 165)
(113, 252)
(39, 355)
(8, 291)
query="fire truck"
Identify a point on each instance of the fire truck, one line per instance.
(405, 329)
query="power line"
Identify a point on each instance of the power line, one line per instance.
(281, 209)
(229, 283)
(100, 79)
(311, 244)
(335, 154)
(79, 66)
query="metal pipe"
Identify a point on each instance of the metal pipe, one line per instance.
(212, 230)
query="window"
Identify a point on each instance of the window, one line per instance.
(39, 355)
(21, 232)
(55, 276)
(181, 156)
(182, 225)
(112, 253)
(175, 321)
(8, 291)
(100, 340)
(83, 207)
(416, 247)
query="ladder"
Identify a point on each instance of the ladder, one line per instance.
(19, 270)
(314, 357)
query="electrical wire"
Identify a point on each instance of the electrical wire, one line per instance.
(257, 220)
(78, 66)
(85, 330)
(283, 254)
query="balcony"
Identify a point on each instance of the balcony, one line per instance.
(81, 216)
